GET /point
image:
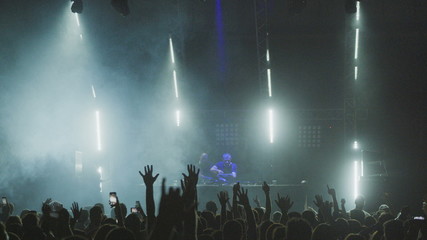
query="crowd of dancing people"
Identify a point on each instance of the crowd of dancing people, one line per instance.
(229, 217)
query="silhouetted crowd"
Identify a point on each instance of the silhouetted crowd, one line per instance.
(230, 218)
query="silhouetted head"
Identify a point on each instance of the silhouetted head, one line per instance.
(322, 231)
(393, 230)
(310, 216)
(120, 233)
(95, 215)
(360, 202)
(103, 231)
(359, 215)
(298, 229)
(232, 230)
(133, 223)
(277, 216)
(211, 206)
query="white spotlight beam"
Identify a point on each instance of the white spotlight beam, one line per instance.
(98, 131)
(271, 125)
(77, 19)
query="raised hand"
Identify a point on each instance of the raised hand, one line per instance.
(243, 197)
(148, 176)
(284, 203)
(236, 187)
(193, 175)
(265, 187)
(318, 201)
(45, 206)
(76, 211)
(223, 198)
(342, 201)
(331, 191)
(257, 202)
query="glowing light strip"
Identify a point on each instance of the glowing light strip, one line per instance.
(77, 19)
(270, 125)
(175, 82)
(269, 82)
(356, 179)
(355, 73)
(356, 48)
(268, 56)
(178, 118)
(98, 131)
(358, 10)
(93, 92)
(171, 49)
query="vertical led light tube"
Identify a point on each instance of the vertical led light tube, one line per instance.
(98, 131)
(93, 92)
(356, 47)
(171, 50)
(271, 125)
(269, 82)
(356, 72)
(356, 179)
(175, 83)
(357, 10)
(178, 118)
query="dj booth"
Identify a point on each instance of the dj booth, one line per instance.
(296, 192)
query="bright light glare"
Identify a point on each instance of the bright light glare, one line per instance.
(100, 170)
(171, 49)
(270, 125)
(81, 36)
(356, 179)
(358, 10)
(178, 120)
(355, 73)
(361, 168)
(355, 145)
(268, 55)
(175, 82)
(356, 48)
(77, 19)
(93, 92)
(98, 131)
(269, 82)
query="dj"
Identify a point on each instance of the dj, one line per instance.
(225, 170)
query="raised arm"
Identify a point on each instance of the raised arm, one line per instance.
(189, 195)
(333, 194)
(235, 210)
(284, 204)
(266, 190)
(250, 218)
(149, 194)
(223, 199)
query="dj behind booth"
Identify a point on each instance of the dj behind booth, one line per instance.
(221, 176)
